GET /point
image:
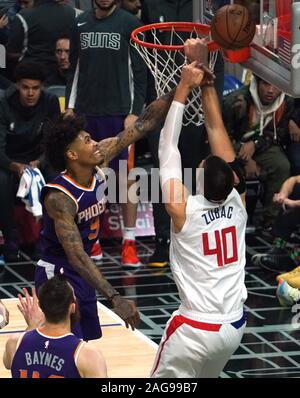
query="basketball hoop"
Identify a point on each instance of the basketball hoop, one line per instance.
(165, 61)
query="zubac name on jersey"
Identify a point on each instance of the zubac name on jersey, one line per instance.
(219, 212)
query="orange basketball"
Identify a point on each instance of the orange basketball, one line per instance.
(232, 27)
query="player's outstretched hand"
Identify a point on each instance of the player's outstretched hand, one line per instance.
(30, 309)
(4, 315)
(126, 309)
(192, 75)
(196, 50)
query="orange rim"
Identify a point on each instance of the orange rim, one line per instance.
(178, 26)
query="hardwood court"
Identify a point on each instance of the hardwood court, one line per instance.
(127, 353)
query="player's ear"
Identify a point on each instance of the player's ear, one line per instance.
(73, 308)
(72, 155)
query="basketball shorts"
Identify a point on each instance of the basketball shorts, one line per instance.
(193, 349)
(102, 127)
(88, 328)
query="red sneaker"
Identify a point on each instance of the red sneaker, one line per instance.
(96, 253)
(129, 256)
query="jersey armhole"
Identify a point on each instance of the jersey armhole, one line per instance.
(187, 220)
(77, 351)
(61, 189)
(20, 340)
(243, 207)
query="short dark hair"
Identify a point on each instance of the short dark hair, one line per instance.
(218, 179)
(55, 297)
(58, 135)
(63, 37)
(29, 70)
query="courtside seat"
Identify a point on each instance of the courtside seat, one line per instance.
(60, 92)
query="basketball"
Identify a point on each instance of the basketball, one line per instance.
(232, 27)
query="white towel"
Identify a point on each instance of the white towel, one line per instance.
(30, 187)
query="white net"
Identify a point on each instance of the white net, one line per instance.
(166, 65)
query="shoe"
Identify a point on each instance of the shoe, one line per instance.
(160, 257)
(96, 253)
(275, 260)
(129, 256)
(287, 295)
(11, 252)
(292, 278)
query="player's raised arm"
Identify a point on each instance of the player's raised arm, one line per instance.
(220, 145)
(63, 210)
(219, 141)
(151, 117)
(174, 192)
(34, 318)
(218, 138)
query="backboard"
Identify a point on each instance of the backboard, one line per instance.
(275, 50)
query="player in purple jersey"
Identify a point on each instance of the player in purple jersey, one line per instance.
(48, 348)
(71, 211)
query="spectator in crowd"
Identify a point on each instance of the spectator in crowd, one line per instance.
(293, 144)
(192, 144)
(75, 4)
(108, 84)
(35, 32)
(279, 258)
(253, 6)
(62, 50)
(8, 15)
(24, 108)
(49, 318)
(132, 6)
(257, 119)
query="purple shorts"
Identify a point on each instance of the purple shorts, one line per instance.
(101, 127)
(88, 328)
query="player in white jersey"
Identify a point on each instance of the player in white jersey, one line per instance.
(207, 248)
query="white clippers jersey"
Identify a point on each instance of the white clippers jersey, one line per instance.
(208, 259)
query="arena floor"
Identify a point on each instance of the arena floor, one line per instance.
(271, 343)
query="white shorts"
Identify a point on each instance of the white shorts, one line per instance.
(193, 349)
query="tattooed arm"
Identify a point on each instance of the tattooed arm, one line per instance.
(63, 211)
(151, 117)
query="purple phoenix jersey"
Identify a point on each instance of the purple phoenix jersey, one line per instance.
(42, 356)
(90, 203)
